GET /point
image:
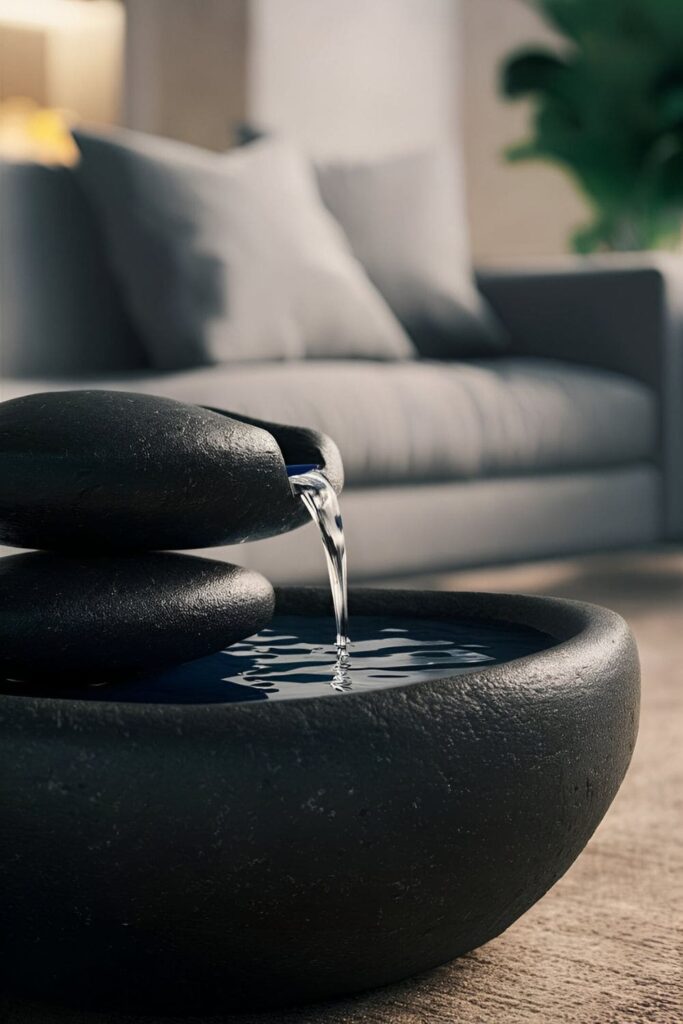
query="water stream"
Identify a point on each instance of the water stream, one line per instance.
(321, 502)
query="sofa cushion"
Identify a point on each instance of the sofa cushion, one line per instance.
(405, 218)
(60, 312)
(233, 257)
(424, 421)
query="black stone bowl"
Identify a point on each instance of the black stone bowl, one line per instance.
(264, 853)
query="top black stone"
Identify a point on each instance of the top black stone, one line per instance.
(112, 470)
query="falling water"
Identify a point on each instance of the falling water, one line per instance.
(320, 500)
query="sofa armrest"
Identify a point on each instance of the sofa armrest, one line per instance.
(617, 313)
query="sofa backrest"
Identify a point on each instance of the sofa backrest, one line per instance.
(60, 312)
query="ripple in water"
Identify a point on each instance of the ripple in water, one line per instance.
(287, 660)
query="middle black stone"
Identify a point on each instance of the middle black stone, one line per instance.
(86, 619)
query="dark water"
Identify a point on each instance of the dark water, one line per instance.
(287, 660)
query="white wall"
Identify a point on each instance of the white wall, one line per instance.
(355, 77)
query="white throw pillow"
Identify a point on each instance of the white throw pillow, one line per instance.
(231, 257)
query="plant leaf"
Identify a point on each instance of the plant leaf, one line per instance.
(609, 109)
(671, 179)
(571, 17)
(529, 72)
(589, 238)
(670, 104)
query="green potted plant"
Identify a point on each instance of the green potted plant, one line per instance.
(608, 106)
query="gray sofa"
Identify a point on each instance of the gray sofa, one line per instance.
(571, 441)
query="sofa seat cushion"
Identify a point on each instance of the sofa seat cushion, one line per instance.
(428, 421)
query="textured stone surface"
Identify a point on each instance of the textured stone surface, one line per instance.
(604, 946)
(108, 469)
(273, 852)
(82, 618)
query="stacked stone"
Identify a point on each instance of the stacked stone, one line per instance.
(108, 486)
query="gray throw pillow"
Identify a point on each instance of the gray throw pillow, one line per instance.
(405, 219)
(231, 257)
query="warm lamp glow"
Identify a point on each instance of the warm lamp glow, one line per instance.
(30, 132)
(62, 54)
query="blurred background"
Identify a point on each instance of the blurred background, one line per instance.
(380, 77)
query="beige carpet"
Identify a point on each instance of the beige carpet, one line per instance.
(605, 946)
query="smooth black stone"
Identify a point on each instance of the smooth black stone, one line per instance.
(70, 619)
(115, 470)
(198, 859)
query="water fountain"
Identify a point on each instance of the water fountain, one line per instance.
(254, 826)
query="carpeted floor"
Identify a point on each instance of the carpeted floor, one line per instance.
(605, 946)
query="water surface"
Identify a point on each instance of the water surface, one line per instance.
(288, 660)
